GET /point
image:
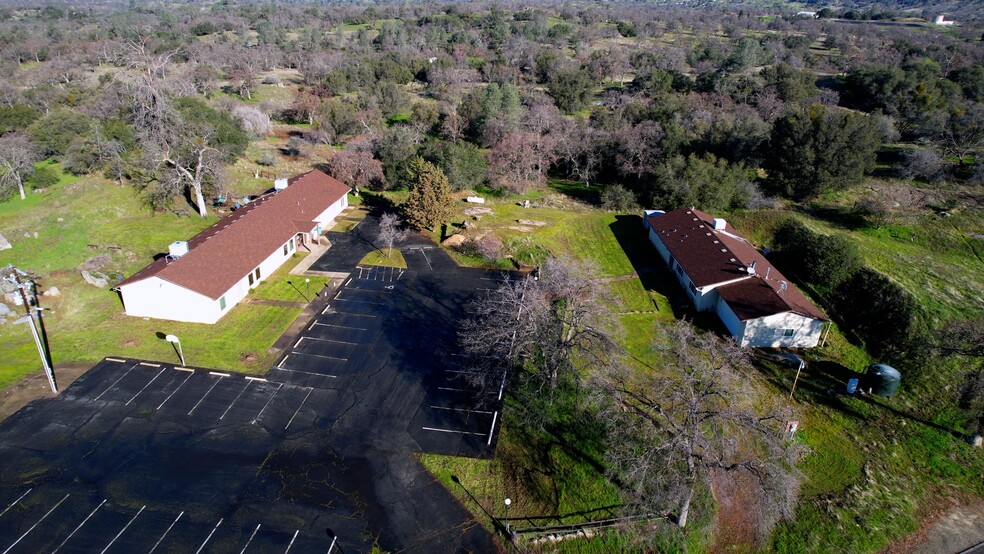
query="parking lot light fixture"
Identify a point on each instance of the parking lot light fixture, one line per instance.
(508, 501)
(334, 541)
(173, 339)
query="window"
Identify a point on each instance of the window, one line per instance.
(692, 287)
(679, 270)
(290, 243)
(250, 276)
(285, 250)
(222, 303)
(256, 274)
(786, 332)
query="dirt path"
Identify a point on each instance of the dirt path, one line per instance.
(35, 386)
(945, 532)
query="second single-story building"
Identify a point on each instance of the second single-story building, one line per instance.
(723, 273)
(201, 279)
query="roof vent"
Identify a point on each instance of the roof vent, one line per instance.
(719, 224)
(178, 248)
(280, 184)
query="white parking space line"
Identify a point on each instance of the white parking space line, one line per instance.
(282, 361)
(145, 386)
(209, 537)
(452, 431)
(306, 372)
(122, 530)
(243, 551)
(492, 429)
(353, 314)
(310, 390)
(80, 526)
(454, 390)
(174, 391)
(160, 540)
(338, 326)
(326, 340)
(461, 410)
(16, 501)
(200, 400)
(318, 356)
(248, 383)
(279, 386)
(292, 541)
(116, 381)
(28, 532)
(360, 301)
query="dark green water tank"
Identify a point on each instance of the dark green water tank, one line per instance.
(881, 380)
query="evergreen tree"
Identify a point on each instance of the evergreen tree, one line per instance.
(816, 150)
(430, 201)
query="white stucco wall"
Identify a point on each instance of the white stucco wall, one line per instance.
(767, 331)
(326, 217)
(727, 316)
(160, 299)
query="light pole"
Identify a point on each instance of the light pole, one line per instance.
(334, 540)
(307, 283)
(29, 318)
(508, 502)
(173, 339)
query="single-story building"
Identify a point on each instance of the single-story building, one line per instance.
(201, 279)
(723, 273)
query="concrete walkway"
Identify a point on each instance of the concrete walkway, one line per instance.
(351, 213)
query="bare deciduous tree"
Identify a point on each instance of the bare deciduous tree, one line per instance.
(390, 232)
(671, 426)
(520, 161)
(548, 325)
(17, 157)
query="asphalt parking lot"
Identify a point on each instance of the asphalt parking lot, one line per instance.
(143, 456)
(140, 456)
(387, 342)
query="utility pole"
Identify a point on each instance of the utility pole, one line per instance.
(15, 278)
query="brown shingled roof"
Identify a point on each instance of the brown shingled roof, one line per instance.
(710, 256)
(690, 237)
(226, 252)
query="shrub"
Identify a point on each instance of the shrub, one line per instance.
(488, 246)
(820, 260)
(878, 310)
(42, 178)
(617, 198)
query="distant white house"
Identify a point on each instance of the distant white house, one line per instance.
(940, 21)
(200, 280)
(807, 15)
(723, 273)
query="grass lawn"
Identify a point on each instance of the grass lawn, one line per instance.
(91, 218)
(387, 257)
